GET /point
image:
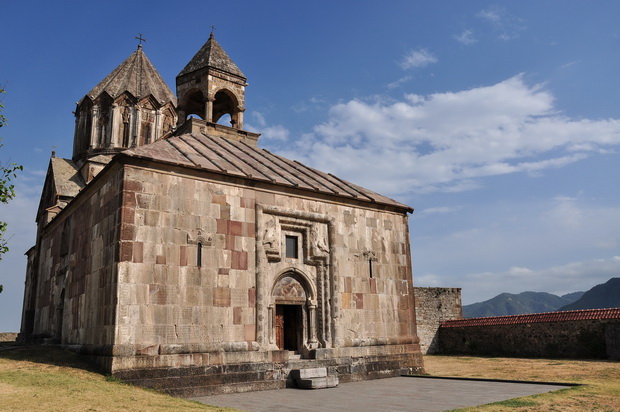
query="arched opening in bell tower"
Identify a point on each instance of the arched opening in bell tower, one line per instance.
(194, 104)
(225, 103)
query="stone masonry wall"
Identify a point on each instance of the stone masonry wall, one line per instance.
(433, 306)
(76, 288)
(612, 338)
(170, 305)
(569, 339)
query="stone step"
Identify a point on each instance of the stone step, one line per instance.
(308, 373)
(318, 383)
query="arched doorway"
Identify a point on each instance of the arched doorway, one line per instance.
(293, 325)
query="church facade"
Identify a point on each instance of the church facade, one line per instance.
(181, 256)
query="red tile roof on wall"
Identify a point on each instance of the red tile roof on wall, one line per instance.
(570, 315)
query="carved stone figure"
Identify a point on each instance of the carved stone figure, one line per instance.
(318, 241)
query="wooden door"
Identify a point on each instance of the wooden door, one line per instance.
(280, 326)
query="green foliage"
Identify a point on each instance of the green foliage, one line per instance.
(114, 379)
(515, 403)
(8, 172)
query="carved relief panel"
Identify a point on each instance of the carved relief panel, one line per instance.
(295, 243)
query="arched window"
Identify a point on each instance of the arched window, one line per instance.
(199, 254)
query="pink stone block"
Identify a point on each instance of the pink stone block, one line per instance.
(222, 226)
(128, 232)
(219, 200)
(138, 252)
(129, 199)
(252, 297)
(128, 214)
(247, 202)
(348, 285)
(359, 300)
(126, 251)
(133, 186)
(235, 228)
(230, 242)
(248, 229)
(221, 297)
(237, 316)
(183, 256)
(239, 260)
(250, 333)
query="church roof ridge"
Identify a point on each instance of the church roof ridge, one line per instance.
(135, 75)
(235, 158)
(211, 54)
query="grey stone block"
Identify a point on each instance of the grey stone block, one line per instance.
(318, 383)
(308, 373)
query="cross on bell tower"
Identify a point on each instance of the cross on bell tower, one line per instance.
(140, 40)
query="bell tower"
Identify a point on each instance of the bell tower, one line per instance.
(211, 86)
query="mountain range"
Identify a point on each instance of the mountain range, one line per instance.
(606, 295)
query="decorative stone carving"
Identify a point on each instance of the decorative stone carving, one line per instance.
(205, 239)
(289, 289)
(271, 239)
(316, 233)
(318, 241)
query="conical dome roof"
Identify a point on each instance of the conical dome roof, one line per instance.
(135, 75)
(212, 55)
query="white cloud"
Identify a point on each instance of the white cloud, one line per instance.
(439, 210)
(494, 247)
(466, 37)
(506, 26)
(493, 15)
(449, 141)
(418, 58)
(267, 131)
(398, 83)
(568, 65)
(559, 280)
(276, 132)
(312, 104)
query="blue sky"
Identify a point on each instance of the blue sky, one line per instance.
(498, 121)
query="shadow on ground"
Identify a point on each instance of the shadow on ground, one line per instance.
(45, 354)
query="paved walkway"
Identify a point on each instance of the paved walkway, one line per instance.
(391, 394)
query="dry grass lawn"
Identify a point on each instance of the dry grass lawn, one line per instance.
(600, 379)
(39, 378)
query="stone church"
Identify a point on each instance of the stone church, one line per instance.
(177, 254)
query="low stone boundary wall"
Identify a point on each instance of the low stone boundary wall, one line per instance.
(583, 334)
(8, 336)
(432, 307)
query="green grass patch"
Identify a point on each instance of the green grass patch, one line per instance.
(44, 378)
(515, 403)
